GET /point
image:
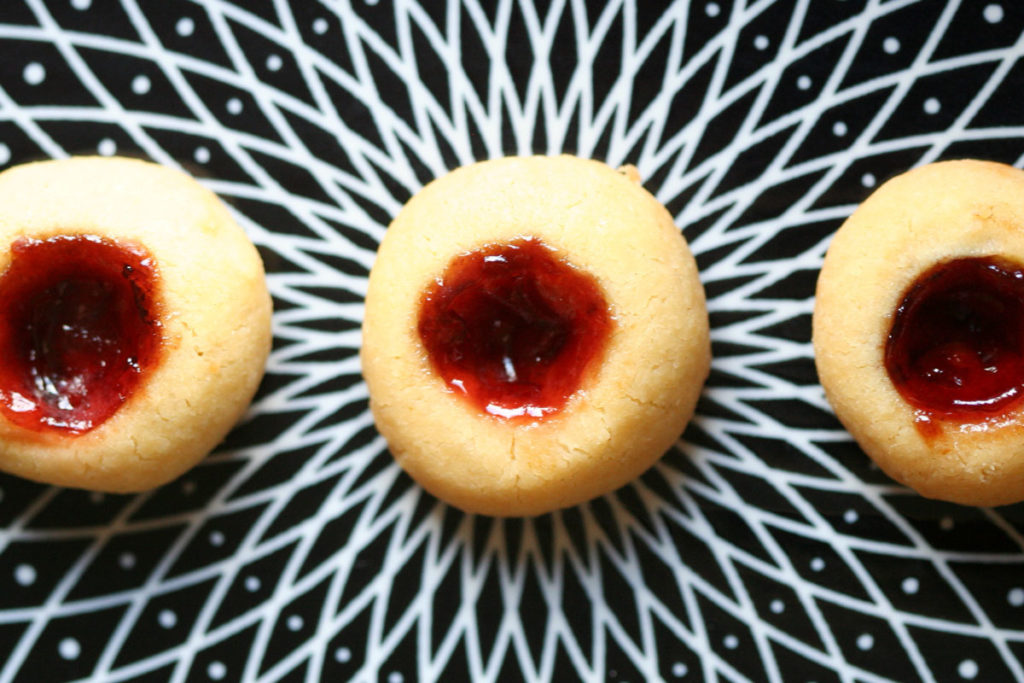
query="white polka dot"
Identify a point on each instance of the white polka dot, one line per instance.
(851, 516)
(188, 487)
(252, 583)
(803, 82)
(216, 670)
(167, 618)
(910, 585)
(69, 648)
(712, 9)
(274, 63)
(81, 5)
(294, 623)
(106, 148)
(126, 560)
(865, 641)
(868, 180)
(993, 13)
(777, 606)
(731, 641)
(25, 574)
(234, 106)
(932, 106)
(1015, 597)
(679, 669)
(761, 42)
(216, 539)
(320, 26)
(201, 155)
(342, 655)
(839, 129)
(185, 27)
(891, 45)
(141, 85)
(967, 669)
(395, 677)
(946, 523)
(34, 73)
(817, 564)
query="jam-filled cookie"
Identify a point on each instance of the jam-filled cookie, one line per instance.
(134, 323)
(535, 334)
(919, 330)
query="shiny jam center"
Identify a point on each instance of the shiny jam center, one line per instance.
(514, 328)
(956, 346)
(79, 328)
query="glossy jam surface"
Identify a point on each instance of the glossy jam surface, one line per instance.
(514, 328)
(956, 346)
(79, 329)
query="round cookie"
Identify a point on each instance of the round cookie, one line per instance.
(911, 239)
(629, 407)
(188, 327)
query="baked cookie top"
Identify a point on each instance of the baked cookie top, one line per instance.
(206, 294)
(628, 408)
(949, 217)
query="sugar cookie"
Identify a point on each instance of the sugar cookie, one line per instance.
(600, 334)
(919, 330)
(134, 323)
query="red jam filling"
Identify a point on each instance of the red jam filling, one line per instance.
(956, 346)
(79, 328)
(514, 328)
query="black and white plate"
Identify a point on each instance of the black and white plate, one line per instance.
(763, 546)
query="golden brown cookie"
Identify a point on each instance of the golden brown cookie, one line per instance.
(520, 246)
(134, 323)
(919, 330)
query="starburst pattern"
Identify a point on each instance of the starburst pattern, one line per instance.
(763, 547)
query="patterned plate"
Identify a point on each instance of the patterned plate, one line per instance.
(763, 546)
